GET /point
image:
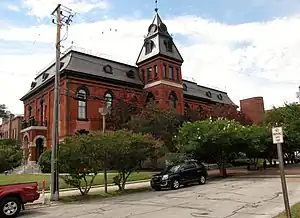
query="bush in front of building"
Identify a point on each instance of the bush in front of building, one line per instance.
(11, 155)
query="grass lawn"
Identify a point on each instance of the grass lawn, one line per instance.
(99, 180)
(101, 195)
(295, 212)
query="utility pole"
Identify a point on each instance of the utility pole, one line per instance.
(60, 21)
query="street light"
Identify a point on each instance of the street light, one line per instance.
(104, 111)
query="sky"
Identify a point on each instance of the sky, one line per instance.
(246, 48)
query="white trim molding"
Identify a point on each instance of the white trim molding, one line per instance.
(163, 82)
(39, 137)
(34, 128)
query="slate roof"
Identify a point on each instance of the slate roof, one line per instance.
(158, 35)
(192, 89)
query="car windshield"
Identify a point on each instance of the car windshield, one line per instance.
(172, 169)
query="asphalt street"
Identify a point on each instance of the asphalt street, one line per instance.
(234, 198)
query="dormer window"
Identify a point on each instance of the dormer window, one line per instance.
(45, 76)
(208, 94)
(130, 74)
(107, 69)
(33, 84)
(149, 46)
(220, 97)
(169, 45)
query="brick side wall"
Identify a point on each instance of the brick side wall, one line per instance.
(253, 109)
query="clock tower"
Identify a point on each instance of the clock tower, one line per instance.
(159, 64)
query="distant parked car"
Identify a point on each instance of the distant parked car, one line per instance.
(181, 174)
(14, 196)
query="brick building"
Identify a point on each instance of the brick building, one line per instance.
(253, 109)
(156, 77)
(11, 128)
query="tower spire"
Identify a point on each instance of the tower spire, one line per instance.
(156, 6)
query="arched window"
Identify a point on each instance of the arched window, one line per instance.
(42, 111)
(173, 100)
(150, 98)
(186, 108)
(108, 99)
(29, 111)
(82, 109)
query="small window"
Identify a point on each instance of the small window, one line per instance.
(155, 71)
(173, 100)
(33, 84)
(149, 73)
(29, 111)
(169, 45)
(184, 87)
(45, 76)
(171, 73)
(220, 97)
(177, 74)
(150, 98)
(130, 74)
(143, 75)
(208, 94)
(149, 46)
(165, 71)
(107, 69)
(82, 106)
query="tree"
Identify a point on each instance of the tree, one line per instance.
(160, 123)
(122, 112)
(210, 140)
(10, 155)
(3, 111)
(126, 150)
(82, 157)
(255, 142)
(288, 117)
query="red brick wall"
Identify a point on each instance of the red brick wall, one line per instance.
(11, 129)
(162, 91)
(253, 109)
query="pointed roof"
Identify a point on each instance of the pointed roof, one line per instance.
(158, 41)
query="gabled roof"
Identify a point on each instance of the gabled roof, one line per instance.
(159, 39)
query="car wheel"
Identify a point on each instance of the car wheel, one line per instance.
(10, 207)
(175, 184)
(202, 180)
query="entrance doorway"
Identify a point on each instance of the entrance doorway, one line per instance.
(39, 148)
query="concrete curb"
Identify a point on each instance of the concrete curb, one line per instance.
(100, 186)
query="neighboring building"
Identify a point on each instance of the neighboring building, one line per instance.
(11, 128)
(157, 77)
(253, 109)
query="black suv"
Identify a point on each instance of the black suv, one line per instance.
(181, 174)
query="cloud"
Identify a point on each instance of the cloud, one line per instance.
(42, 8)
(246, 60)
(13, 8)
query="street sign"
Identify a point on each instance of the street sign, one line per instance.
(277, 135)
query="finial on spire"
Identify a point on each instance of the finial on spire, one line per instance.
(156, 6)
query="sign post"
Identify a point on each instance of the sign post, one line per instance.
(278, 139)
